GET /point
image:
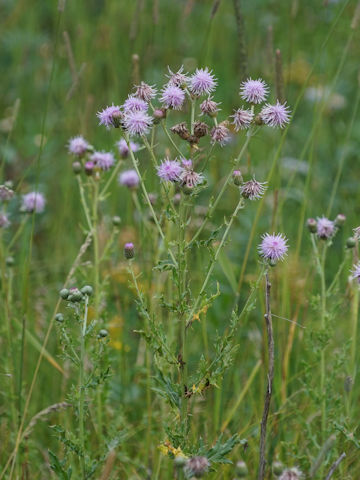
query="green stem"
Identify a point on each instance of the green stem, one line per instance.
(163, 125)
(82, 389)
(84, 203)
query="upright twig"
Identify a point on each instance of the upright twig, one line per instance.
(270, 378)
(334, 466)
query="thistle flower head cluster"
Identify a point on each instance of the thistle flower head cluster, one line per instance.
(110, 116)
(124, 149)
(134, 104)
(202, 82)
(277, 115)
(102, 160)
(129, 178)
(254, 91)
(325, 228)
(273, 247)
(253, 190)
(78, 146)
(169, 170)
(33, 202)
(172, 97)
(145, 92)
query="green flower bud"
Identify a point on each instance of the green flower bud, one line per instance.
(10, 261)
(77, 167)
(241, 469)
(311, 225)
(116, 221)
(277, 468)
(87, 290)
(59, 317)
(350, 242)
(103, 333)
(75, 295)
(64, 293)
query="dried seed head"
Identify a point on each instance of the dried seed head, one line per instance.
(200, 129)
(209, 107)
(220, 134)
(181, 130)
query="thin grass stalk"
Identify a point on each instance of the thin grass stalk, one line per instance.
(82, 389)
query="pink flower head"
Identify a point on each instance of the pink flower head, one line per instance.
(110, 116)
(325, 228)
(291, 474)
(172, 97)
(129, 178)
(103, 160)
(220, 134)
(253, 190)
(169, 170)
(137, 123)
(179, 79)
(275, 115)
(356, 272)
(145, 92)
(134, 104)
(33, 202)
(253, 91)
(4, 221)
(78, 146)
(209, 107)
(188, 176)
(273, 247)
(124, 149)
(242, 118)
(202, 82)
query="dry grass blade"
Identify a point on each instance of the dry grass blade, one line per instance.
(43, 414)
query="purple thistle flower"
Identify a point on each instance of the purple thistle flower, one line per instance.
(220, 134)
(242, 118)
(103, 160)
(179, 79)
(172, 97)
(129, 250)
(253, 190)
(355, 272)
(275, 115)
(4, 221)
(129, 178)
(188, 176)
(134, 104)
(137, 123)
(169, 170)
(124, 149)
(145, 92)
(78, 145)
(209, 107)
(253, 91)
(325, 228)
(273, 247)
(110, 116)
(202, 82)
(33, 202)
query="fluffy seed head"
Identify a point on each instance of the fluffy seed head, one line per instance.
(254, 91)
(33, 202)
(197, 466)
(209, 107)
(202, 82)
(145, 92)
(137, 123)
(78, 146)
(277, 115)
(253, 190)
(273, 247)
(291, 474)
(103, 160)
(172, 97)
(129, 178)
(124, 149)
(134, 104)
(242, 118)
(110, 116)
(325, 228)
(220, 134)
(169, 170)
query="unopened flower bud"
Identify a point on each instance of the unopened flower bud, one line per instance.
(237, 178)
(180, 461)
(87, 290)
(75, 295)
(340, 220)
(311, 225)
(277, 468)
(350, 242)
(103, 333)
(89, 168)
(241, 469)
(159, 114)
(187, 189)
(10, 261)
(59, 317)
(116, 221)
(129, 250)
(77, 167)
(259, 120)
(64, 293)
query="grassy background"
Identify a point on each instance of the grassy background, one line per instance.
(38, 83)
